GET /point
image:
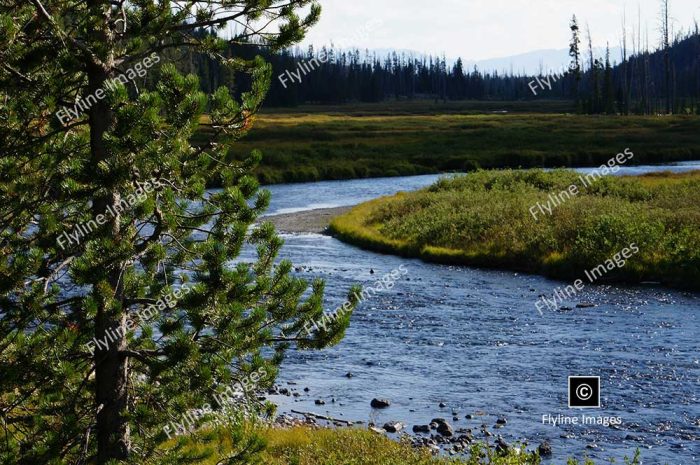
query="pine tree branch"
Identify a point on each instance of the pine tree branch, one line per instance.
(63, 36)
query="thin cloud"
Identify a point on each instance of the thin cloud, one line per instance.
(480, 29)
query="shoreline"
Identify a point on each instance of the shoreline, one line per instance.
(306, 222)
(353, 228)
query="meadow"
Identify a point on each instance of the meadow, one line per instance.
(485, 219)
(314, 143)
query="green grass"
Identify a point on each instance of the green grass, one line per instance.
(429, 107)
(484, 219)
(306, 446)
(360, 141)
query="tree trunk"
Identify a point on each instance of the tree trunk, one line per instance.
(667, 55)
(111, 368)
(669, 96)
(111, 372)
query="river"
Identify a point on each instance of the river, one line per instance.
(473, 340)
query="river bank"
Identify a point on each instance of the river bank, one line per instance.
(555, 223)
(309, 221)
(308, 442)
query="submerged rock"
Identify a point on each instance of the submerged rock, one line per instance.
(545, 449)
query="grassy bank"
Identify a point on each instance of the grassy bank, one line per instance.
(418, 138)
(306, 446)
(484, 219)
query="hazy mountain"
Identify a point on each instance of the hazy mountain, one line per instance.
(530, 63)
(539, 61)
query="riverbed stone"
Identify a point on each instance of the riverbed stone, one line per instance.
(502, 446)
(421, 428)
(545, 449)
(443, 427)
(393, 426)
(380, 403)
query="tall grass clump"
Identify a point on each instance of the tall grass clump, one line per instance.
(337, 446)
(485, 219)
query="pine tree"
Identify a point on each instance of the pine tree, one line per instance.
(608, 85)
(666, 46)
(124, 303)
(575, 54)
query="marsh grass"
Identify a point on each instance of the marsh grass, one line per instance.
(320, 446)
(348, 142)
(324, 446)
(484, 219)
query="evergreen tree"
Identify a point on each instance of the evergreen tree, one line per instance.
(666, 46)
(575, 54)
(124, 304)
(608, 86)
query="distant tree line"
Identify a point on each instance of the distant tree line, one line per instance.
(644, 82)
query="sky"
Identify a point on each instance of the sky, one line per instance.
(481, 29)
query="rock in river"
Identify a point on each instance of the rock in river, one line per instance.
(443, 427)
(380, 403)
(502, 446)
(545, 449)
(393, 427)
(421, 428)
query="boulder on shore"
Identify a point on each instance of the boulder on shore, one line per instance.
(393, 426)
(443, 427)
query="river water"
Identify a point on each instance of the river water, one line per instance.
(473, 340)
